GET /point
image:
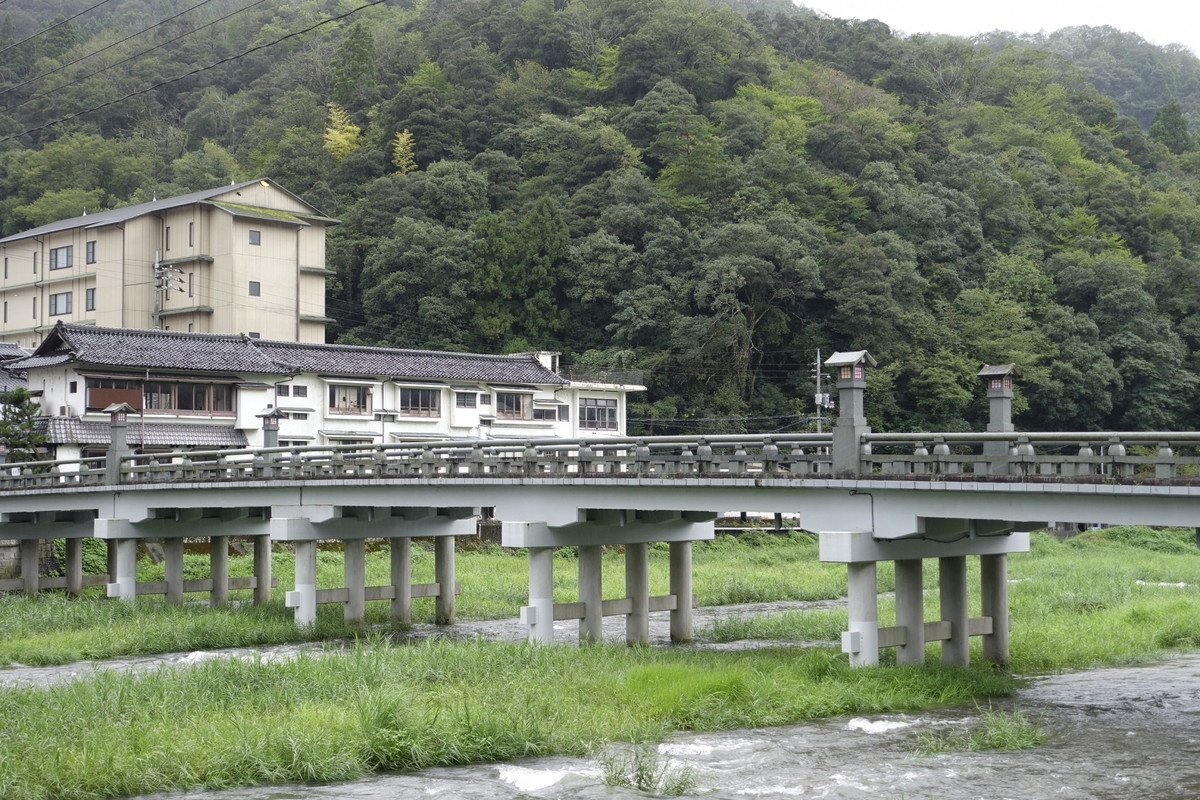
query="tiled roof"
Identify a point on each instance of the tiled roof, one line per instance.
(118, 215)
(72, 430)
(131, 347)
(8, 382)
(9, 351)
(202, 352)
(353, 360)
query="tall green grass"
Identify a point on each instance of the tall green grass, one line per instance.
(392, 708)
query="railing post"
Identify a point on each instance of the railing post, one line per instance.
(770, 456)
(1117, 450)
(641, 455)
(1165, 468)
(704, 457)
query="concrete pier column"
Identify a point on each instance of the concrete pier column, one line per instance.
(354, 569)
(443, 568)
(401, 552)
(173, 566)
(952, 581)
(681, 587)
(122, 569)
(910, 610)
(539, 614)
(262, 569)
(28, 550)
(74, 566)
(993, 580)
(306, 582)
(861, 641)
(110, 561)
(218, 569)
(591, 594)
(637, 589)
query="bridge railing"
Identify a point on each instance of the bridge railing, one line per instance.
(1052, 456)
(1064, 457)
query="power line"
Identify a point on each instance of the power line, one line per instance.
(61, 67)
(196, 71)
(52, 27)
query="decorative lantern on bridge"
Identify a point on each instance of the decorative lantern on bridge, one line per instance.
(998, 382)
(118, 425)
(850, 370)
(270, 426)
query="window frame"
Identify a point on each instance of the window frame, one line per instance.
(599, 414)
(255, 237)
(63, 254)
(414, 401)
(90, 252)
(89, 299)
(255, 289)
(523, 409)
(60, 304)
(340, 403)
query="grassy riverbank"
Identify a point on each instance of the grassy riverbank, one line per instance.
(1114, 596)
(390, 708)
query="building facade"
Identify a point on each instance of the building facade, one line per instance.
(244, 258)
(211, 390)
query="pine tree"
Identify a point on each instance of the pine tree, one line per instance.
(1170, 128)
(18, 425)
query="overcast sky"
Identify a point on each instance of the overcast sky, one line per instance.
(1159, 21)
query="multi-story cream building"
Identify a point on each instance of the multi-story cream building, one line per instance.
(245, 258)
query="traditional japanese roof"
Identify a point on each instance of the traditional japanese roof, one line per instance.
(142, 349)
(9, 351)
(225, 353)
(349, 360)
(118, 215)
(996, 370)
(72, 430)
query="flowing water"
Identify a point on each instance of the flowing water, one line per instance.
(1123, 733)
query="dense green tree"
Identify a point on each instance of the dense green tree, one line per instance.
(1170, 128)
(19, 432)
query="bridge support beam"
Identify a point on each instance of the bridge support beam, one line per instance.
(538, 616)
(952, 583)
(28, 550)
(637, 589)
(218, 570)
(443, 569)
(910, 610)
(262, 569)
(354, 571)
(591, 594)
(124, 573)
(861, 641)
(304, 597)
(173, 569)
(993, 579)
(401, 563)
(74, 566)
(681, 588)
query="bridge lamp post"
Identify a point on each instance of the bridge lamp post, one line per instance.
(998, 383)
(850, 369)
(118, 426)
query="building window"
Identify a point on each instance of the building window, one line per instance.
(90, 252)
(73, 387)
(465, 399)
(299, 391)
(550, 414)
(35, 307)
(514, 405)
(349, 400)
(35, 255)
(191, 284)
(167, 238)
(89, 299)
(255, 237)
(191, 234)
(161, 395)
(254, 335)
(282, 390)
(60, 257)
(6, 267)
(598, 414)
(255, 288)
(420, 402)
(6, 311)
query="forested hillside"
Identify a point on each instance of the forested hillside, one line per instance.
(705, 191)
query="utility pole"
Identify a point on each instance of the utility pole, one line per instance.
(821, 399)
(166, 277)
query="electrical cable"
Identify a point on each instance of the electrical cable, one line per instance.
(196, 71)
(61, 67)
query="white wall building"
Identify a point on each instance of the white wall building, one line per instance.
(209, 390)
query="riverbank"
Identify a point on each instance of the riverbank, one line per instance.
(1113, 597)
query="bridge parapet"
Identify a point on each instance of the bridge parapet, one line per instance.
(1063, 457)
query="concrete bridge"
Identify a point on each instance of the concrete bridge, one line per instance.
(871, 497)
